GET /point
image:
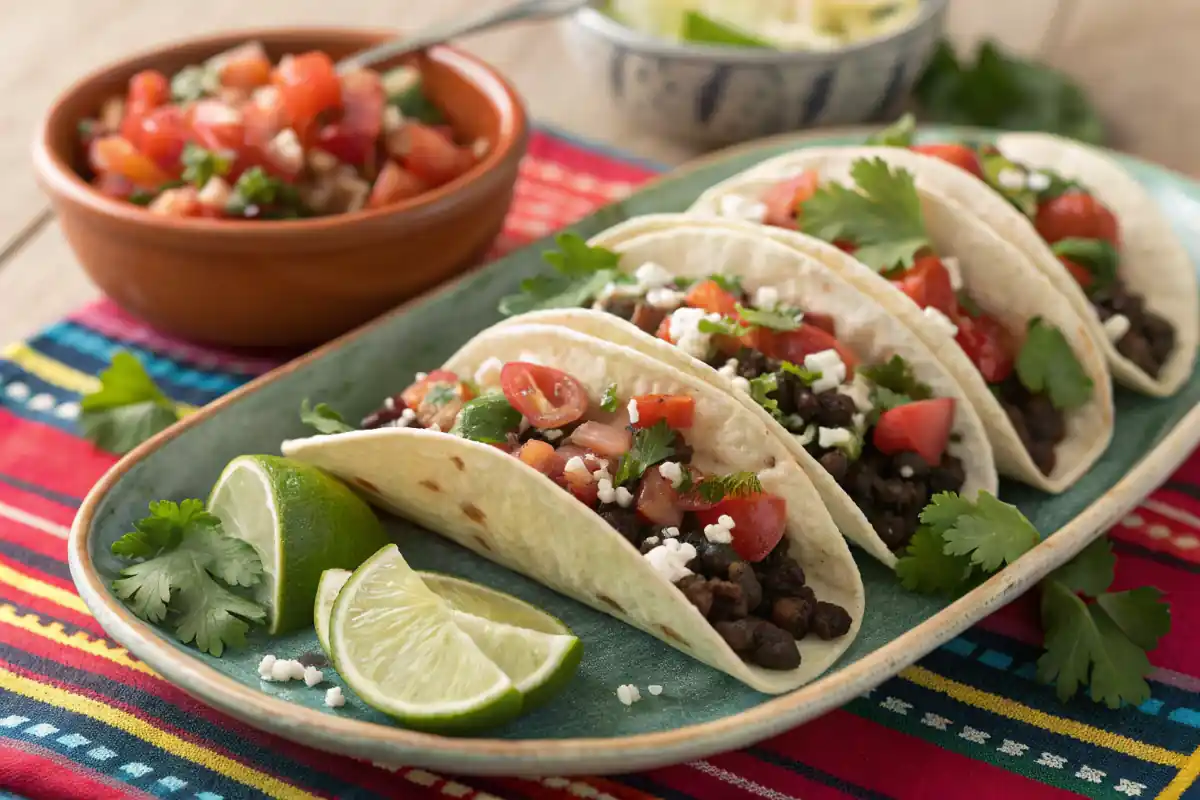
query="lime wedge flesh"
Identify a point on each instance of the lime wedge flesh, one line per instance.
(535, 650)
(300, 521)
(396, 644)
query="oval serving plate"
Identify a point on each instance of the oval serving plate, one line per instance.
(584, 730)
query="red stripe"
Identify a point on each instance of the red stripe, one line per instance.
(694, 783)
(60, 583)
(50, 612)
(36, 504)
(576, 157)
(902, 766)
(1180, 649)
(33, 540)
(40, 454)
(38, 774)
(1181, 500)
(776, 778)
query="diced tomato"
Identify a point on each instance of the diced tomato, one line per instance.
(928, 284)
(116, 155)
(759, 522)
(656, 498)
(783, 200)
(586, 493)
(1081, 274)
(823, 321)
(394, 184)
(352, 138)
(794, 345)
(922, 427)
(709, 296)
(308, 88)
(148, 90)
(547, 397)
(111, 185)
(161, 135)
(607, 441)
(428, 154)
(677, 410)
(181, 202)
(244, 67)
(664, 329)
(263, 116)
(443, 409)
(959, 155)
(988, 345)
(1077, 215)
(217, 125)
(542, 457)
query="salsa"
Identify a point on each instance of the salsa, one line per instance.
(238, 137)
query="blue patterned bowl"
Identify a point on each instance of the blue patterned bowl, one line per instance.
(719, 95)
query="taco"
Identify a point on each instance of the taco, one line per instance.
(624, 483)
(1026, 359)
(1094, 232)
(863, 405)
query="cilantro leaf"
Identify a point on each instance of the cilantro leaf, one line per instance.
(726, 326)
(993, 534)
(900, 133)
(488, 418)
(581, 273)
(323, 418)
(185, 556)
(609, 401)
(650, 446)
(194, 82)
(776, 320)
(1095, 255)
(1047, 363)
(807, 376)
(883, 216)
(257, 193)
(925, 567)
(884, 399)
(715, 488)
(1140, 613)
(760, 389)
(995, 164)
(127, 409)
(199, 164)
(896, 374)
(1090, 571)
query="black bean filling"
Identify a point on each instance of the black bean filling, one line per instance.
(1150, 338)
(891, 490)
(385, 415)
(1039, 425)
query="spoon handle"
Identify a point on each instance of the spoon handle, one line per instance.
(515, 12)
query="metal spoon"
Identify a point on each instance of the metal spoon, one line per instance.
(516, 12)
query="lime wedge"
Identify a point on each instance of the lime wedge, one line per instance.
(535, 650)
(396, 644)
(703, 29)
(301, 521)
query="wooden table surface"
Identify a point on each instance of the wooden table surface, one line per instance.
(1134, 59)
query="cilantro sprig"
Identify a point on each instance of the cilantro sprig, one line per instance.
(1092, 637)
(894, 384)
(807, 376)
(323, 418)
(127, 409)
(1097, 256)
(580, 273)
(609, 400)
(881, 214)
(901, 133)
(761, 388)
(715, 488)
(200, 164)
(185, 572)
(650, 446)
(780, 319)
(1047, 364)
(726, 326)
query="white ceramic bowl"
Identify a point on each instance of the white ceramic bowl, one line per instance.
(719, 95)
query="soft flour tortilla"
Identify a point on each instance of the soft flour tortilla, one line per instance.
(505, 511)
(1154, 263)
(696, 249)
(995, 274)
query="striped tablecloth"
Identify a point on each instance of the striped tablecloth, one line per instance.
(81, 718)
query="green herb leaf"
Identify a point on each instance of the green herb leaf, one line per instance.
(185, 557)
(488, 418)
(901, 133)
(192, 83)
(1047, 363)
(775, 319)
(807, 376)
(1091, 571)
(323, 418)
(926, 568)
(730, 283)
(995, 164)
(1097, 256)
(883, 216)
(760, 389)
(884, 399)
(896, 374)
(127, 409)
(992, 534)
(726, 326)
(650, 446)
(270, 195)
(200, 165)
(703, 29)
(581, 273)
(1001, 91)
(609, 401)
(715, 488)
(415, 104)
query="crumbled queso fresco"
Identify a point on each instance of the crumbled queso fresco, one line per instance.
(282, 670)
(831, 367)
(672, 472)
(334, 698)
(685, 331)
(670, 559)
(633, 412)
(721, 531)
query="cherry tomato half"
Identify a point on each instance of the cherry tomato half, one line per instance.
(783, 200)
(794, 345)
(308, 88)
(547, 397)
(928, 284)
(148, 90)
(922, 427)
(988, 345)
(1077, 215)
(759, 522)
(959, 155)
(656, 500)
(709, 296)
(677, 410)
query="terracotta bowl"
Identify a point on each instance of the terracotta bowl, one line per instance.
(295, 282)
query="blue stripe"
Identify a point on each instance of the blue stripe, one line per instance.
(41, 491)
(10, 372)
(42, 563)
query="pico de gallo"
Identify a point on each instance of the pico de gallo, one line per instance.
(238, 137)
(1082, 232)
(718, 538)
(1034, 374)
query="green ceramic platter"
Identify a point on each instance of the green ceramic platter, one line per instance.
(585, 729)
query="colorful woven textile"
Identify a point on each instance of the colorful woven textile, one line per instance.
(81, 718)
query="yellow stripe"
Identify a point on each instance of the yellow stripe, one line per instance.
(1040, 719)
(1183, 781)
(223, 765)
(30, 623)
(43, 590)
(59, 374)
